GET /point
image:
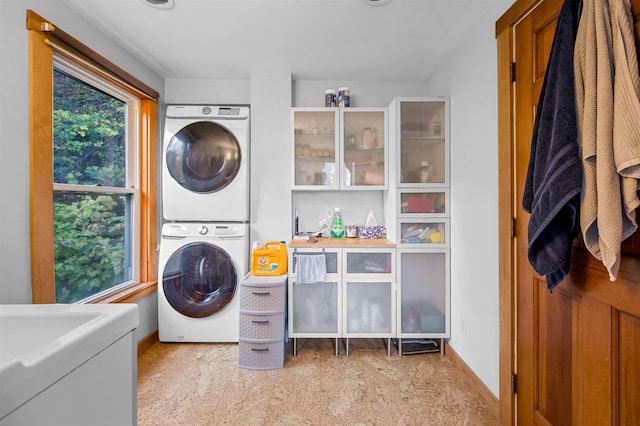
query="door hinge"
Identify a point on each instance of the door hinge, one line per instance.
(513, 227)
(514, 383)
(513, 72)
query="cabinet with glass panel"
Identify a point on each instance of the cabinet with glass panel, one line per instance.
(339, 148)
(369, 294)
(419, 202)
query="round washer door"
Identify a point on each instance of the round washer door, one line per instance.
(199, 280)
(203, 157)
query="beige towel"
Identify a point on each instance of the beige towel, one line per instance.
(607, 127)
(626, 121)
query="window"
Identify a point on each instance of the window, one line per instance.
(95, 196)
(93, 226)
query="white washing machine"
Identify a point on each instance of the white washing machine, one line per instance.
(205, 166)
(200, 267)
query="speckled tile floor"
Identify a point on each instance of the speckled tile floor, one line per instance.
(201, 384)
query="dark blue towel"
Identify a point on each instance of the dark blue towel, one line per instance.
(554, 177)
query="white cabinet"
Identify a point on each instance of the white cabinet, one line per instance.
(419, 203)
(357, 299)
(368, 294)
(339, 148)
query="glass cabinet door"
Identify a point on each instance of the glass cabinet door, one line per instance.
(369, 308)
(424, 232)
(433, 202)
(315, 148)
(423, 309)
(423, 152)
(314, 309)
(332, 260)
(364, 263)
(363, 135)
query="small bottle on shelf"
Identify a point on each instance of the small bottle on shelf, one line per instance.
(424, 172)
(436, 127)
(337, 226)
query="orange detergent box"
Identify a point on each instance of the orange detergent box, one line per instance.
(269, 260)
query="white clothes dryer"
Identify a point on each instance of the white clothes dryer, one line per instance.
(205, 166)
(200, 267)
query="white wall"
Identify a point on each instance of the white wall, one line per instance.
(469, 79)
(15, 267)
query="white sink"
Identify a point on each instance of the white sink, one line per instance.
(40, 344)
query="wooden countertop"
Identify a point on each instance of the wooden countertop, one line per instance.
(344, 243)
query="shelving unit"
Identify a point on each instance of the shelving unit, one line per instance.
(419, 202)
(343, 149)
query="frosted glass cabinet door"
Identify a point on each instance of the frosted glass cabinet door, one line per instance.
(314, 309)
(425, 232)
(424, 293)
(332, 260)
(433, 202)
(315, 148)
(364, 263)
(369, 309)
(423, 156)
(363, 135)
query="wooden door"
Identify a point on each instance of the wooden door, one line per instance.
(577, 350)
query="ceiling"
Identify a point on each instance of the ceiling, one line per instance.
(402, 40)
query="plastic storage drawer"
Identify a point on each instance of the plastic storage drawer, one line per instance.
(263, 327)
(261, 355)
(263, 298)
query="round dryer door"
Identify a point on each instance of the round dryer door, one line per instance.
(203, 157)
(199, 280)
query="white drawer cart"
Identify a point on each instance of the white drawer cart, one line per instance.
(262, 322)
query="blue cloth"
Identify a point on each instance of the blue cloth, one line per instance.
(554, 176)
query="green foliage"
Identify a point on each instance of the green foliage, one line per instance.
(89, 134)
(89, 245)
(89, 148)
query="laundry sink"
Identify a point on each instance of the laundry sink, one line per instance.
(41, 344)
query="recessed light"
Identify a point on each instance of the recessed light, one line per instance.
(159, 4)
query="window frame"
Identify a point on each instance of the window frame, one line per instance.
(43, 36)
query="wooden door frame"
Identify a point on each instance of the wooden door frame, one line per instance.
(507, 205)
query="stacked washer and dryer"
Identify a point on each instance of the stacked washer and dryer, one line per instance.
(204, 242)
